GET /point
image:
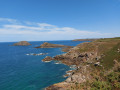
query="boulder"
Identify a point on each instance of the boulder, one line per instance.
(97, 64)
(47, 58)
(81, 76)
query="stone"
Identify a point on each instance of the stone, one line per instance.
(47, 58)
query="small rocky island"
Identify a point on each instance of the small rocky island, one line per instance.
(65, 48)
(22, 43)
(50, 45)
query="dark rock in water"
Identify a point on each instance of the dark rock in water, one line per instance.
(49, 45)
(22, 43)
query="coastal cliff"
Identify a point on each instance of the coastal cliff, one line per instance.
(22, 43)
(96, 63)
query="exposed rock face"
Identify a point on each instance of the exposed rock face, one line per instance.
(82, 53)
(59, 86)
(87, 58)
(49, 45)
(22, 43)
(79, 77)
(82, 76)
(66, 49)
(47, 58)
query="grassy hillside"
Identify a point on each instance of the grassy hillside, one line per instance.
(106, 77)
(98, 66)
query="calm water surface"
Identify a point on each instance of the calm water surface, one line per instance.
(19, 71)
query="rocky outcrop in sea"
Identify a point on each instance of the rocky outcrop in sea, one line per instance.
(22, 43)
(50, 45)
(65, 48)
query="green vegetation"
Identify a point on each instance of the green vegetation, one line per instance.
(85, 47)
(100, 85)
(108, 39)
(106, 77)
(107, 47)
(111, 55)
(100, 65)
(111, 81)
(108, 82)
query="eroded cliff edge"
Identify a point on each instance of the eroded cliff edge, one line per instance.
(94, 61)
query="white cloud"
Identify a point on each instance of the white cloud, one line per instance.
(8, 20)
(42, 31)
(45, 25)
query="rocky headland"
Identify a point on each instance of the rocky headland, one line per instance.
(22, 43)
(84, 39)
(95, 62)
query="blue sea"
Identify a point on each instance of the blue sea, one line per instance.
(19, 71)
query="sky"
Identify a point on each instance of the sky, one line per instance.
(44, 20)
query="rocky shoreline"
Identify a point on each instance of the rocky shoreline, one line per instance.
(73, 57)
(87, 57)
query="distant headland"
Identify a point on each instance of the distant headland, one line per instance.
(84, 39)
